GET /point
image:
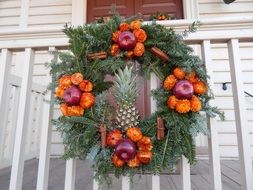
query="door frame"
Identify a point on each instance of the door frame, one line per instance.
(79, 11)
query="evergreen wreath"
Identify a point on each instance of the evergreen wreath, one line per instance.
(117, 139)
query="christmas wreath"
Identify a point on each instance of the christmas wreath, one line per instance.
(115, 137)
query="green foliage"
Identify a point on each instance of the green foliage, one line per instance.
(81, 134)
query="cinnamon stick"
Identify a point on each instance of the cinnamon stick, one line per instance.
(160, 128)
(102, 130)
(99, 55)
(159, 53)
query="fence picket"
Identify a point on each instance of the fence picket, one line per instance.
(185, 174)
(155, 182)
(39, 125)
(23, 112)
(70, 174)
(240, 112)
(95, 183)
(5, 128)
(125, 183)
(5, 65)
(45, 140)
(154, 85)
(213, 144)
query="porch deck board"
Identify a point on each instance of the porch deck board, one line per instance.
(199, 177)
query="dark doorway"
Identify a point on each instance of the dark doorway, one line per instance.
(101, 8)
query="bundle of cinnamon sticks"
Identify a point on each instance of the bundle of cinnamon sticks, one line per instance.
(99, 55)
(159, 128)
(102, 130)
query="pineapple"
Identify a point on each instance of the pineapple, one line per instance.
(125, 93)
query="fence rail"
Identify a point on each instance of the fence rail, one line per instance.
(54, 40)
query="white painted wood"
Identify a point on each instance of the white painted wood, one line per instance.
(9, 14)
(16, 81)
(154, 85)
(30, 116)
(35, 43)
(213, 143)
(5, 66)
(214, 9)
(190, 8)
(39, 125)
(125, 183)
(78, 14)
(6, 125)
(240, 112)
(24, 13)
(95, 184)
(25, 94)
(70, 174)
(155, 182)
(46, 133)
(85, 11)
(185, 174)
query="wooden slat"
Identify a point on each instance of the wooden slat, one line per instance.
(70, 174)
(35, 43)
(185, 174)
(78, 14)
(12, 125)
(125, 183)
(24, 13)
(39, 125)
(213, 146)
(5, 66)
(46, 133)
(30, 124)
(95, 184)
(24, 101)
(154, 85)
(155, 182)
(240, 112)
(6, 126)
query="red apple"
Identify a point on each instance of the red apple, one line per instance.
(125, 150)
(72, 96)
(183, 89)
(126, 40)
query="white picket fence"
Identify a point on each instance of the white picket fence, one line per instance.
(204, 39)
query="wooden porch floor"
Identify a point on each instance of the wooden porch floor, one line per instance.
(200, 179)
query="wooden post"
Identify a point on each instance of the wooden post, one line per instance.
(23, 112)
(39, 125)
(95, 184)
(125, 183)
(213, 145)
(70, 174)
(78, 13)
(185, 174)
(240, 113)
(5, 65)
(154, 85)
(45, 140)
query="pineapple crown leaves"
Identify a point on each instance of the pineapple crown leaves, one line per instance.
(125, 90)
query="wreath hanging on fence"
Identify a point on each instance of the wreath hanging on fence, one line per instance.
(116, 138)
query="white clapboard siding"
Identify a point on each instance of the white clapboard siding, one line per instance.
(9, 13)
(49, 13)
(217, 8)
(224, 99)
